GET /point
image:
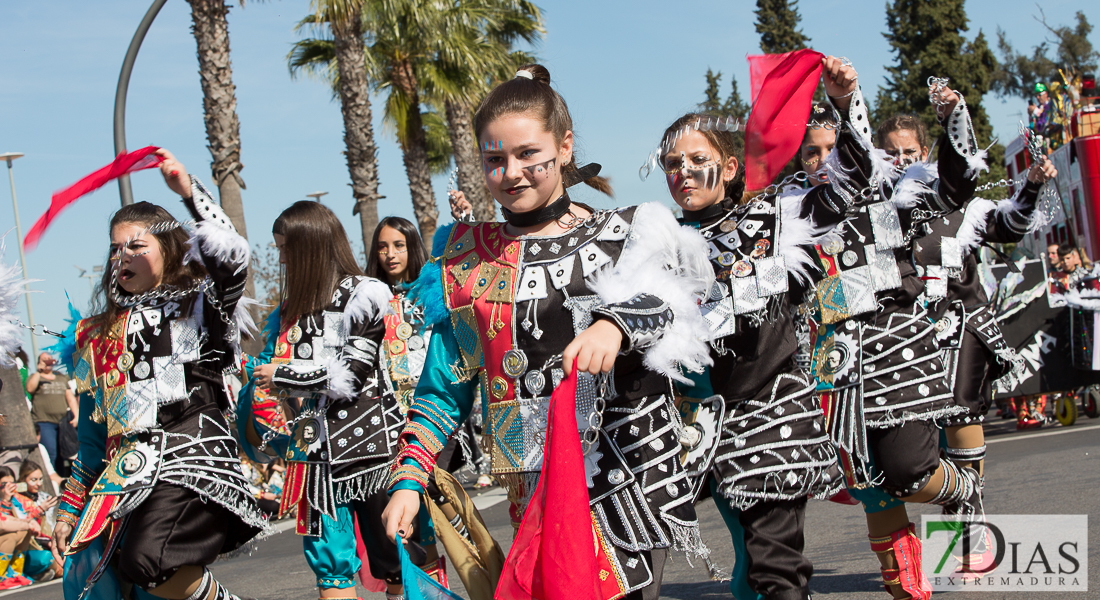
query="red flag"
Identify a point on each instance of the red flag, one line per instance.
(782, 91)
(552, 557)
(123, 164)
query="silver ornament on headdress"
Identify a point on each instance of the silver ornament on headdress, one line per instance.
(725, 124)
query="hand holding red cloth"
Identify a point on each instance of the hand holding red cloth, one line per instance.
(782, 93)
(553, 556)
(122, 165)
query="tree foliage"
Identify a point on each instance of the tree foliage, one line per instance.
(1073, 54)
(733, 106)
(927, 40)
(777, 23)
(424, 55)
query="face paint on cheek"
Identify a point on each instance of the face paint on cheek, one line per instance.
(540, 172)
(705, 177)
(492, 172)
(674, 179)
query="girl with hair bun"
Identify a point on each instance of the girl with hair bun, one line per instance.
(516, 306)
(755, 430)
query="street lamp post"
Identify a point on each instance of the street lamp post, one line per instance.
(316, 196)
(9, 157)
(97, 272)
(125, 193)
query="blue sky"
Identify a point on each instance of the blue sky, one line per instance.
(626, 68)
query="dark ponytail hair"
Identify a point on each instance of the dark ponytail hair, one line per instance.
(535, 97)
(727, 143)
(173, 248)
(414, 247)
(903, 122)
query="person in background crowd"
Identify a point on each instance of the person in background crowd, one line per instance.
(22, 361)
(1054, 258)
(38, 502)
(51, 397)
(28, 558)
(54, 477)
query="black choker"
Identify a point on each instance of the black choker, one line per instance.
(551, 212)
(703, 214)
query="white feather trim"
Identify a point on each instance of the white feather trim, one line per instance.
(242, 316)
(1084, 299)
(225, 246)
(915, 183)
(975, 224)
(668, 261)
(796, 235)
(341, 381)
(976, 164)
(837, 173)
(11, 291)
(1016, 205)
(369, 300)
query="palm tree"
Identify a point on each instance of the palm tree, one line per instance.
(320, 57)
(219, 101)
(446, 53)
(347, 50)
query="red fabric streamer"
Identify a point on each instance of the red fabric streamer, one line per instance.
(782, 92)
(122, 165)
(552, 556)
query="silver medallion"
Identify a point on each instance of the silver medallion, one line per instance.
(514, 363)
(849, 258)
(305, 350)
(535, 382)
(415, 343)
(832, 244)
(142, 369)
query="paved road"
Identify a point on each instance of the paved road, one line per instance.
(1049, 471)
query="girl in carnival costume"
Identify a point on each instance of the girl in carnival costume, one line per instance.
(157, 478)
(321, 361)
(514, 304)
(772, 451)
(877, 354)
(978, 356)
(396, 257)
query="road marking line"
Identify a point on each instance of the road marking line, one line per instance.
(1060, 431)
